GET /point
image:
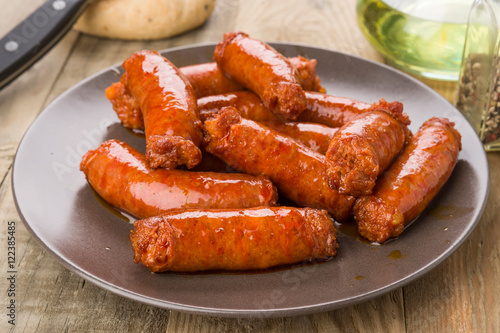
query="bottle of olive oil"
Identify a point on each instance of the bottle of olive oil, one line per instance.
(422, 37)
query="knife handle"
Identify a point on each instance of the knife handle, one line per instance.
(36, 35)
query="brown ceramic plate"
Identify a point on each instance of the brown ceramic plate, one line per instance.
(62, 212)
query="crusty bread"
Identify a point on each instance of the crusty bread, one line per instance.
(143, 19)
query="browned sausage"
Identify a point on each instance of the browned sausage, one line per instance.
(240, 239)
(121, 176)
(127, 108)
(336, 111)
(248, 104)
(263, 70)
(362, 149)
(207, 79)
(331, 110)
(322, 109)
(411, 182)
(169, 108)
(307, 73)
(314, 136)
(297, 171)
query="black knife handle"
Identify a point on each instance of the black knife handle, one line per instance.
(36, 35)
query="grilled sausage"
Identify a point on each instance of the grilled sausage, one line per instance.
(362, 149)
(169, 109)
(248, 104)
(239, 239)
(411, 182)
(314, 136)
(127, 107)
(121, 176)
(307, 73)
(321, 108)
(336, 111)
(207, 79)
(297, 171)
(263, 70)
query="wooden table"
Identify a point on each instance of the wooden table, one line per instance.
(460, 295)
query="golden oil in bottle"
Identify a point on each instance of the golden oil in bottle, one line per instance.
(422, 37)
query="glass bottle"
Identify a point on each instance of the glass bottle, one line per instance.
(422, 37)
(478, 90)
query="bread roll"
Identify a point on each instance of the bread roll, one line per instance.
(143, 19)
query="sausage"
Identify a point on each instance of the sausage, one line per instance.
(237, 239)
(321, 108)
(297, 171)
(314, 136)
(121, 176)
(247, 103)
(127, 108)
(332, 111)
(207, 79)
(411, 182)
(336, 111)
(307, 73)
(263, 70)
(169, 109)
(362, 149)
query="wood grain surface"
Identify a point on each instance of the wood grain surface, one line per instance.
(460, 295)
